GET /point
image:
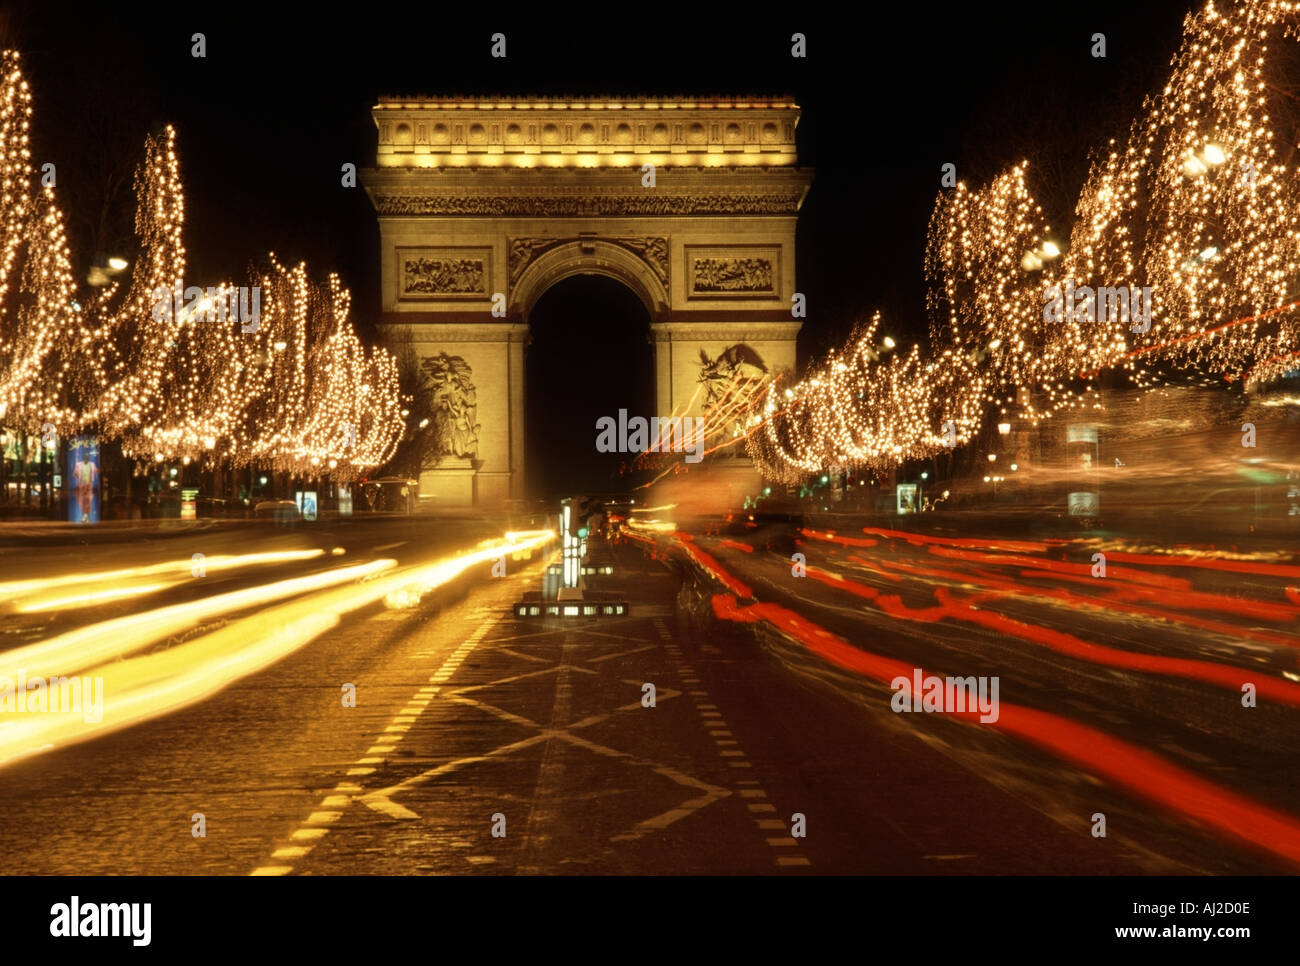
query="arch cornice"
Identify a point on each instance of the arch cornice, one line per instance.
(590, 257)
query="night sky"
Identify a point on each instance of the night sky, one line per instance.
(282, 101)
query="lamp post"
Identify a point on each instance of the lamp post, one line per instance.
(47, 478)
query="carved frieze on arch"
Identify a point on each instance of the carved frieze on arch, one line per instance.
(585, 256)
(652, 249)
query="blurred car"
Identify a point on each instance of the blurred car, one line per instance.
(281, 511)
(393, 494)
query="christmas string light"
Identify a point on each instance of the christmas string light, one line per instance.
(1182, 258)
(42, 331)
(171, 376)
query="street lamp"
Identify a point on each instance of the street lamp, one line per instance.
(46, 451)
(1004, 429)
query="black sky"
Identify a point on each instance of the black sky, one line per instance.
(282, 100)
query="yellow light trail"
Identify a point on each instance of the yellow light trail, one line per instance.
(114, 638)
(28, 596)
(93, 597)
(652, 526)
(151, 685)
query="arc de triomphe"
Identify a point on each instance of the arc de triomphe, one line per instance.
(484, 203)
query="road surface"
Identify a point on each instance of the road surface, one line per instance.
(438, 733)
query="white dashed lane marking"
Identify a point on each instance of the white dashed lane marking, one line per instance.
(728, 749)
(329, 811)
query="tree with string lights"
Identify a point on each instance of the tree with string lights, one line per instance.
(43, 369)
(1183, 255)
(139, 327)
(316, 396)
(46, 368)
(168, 372)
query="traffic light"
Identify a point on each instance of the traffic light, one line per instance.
(579, 510)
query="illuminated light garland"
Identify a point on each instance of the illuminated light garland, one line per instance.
(1197, 207)
(318, 396)
(136, 346)
(42, 331)
(867, 409)
(169, 382)
(296, 393)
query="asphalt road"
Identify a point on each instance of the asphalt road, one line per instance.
(483, 743)
(1121, 689)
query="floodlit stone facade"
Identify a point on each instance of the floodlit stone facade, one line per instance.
(484, 203)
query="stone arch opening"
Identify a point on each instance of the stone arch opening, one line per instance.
(588, 356)
(501, 200)
(640, 263)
